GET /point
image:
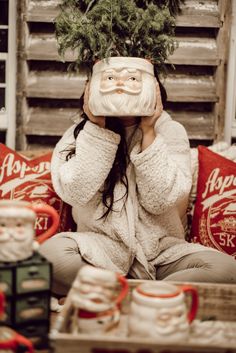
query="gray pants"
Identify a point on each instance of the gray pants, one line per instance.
(203, 266)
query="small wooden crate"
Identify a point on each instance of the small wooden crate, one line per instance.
(217, 314)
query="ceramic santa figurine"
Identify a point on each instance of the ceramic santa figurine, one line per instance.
(17, 233)
(96, 297)
(123, 86)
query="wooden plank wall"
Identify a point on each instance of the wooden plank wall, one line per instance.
(48, 96)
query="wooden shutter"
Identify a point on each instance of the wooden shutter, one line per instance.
(48, 96)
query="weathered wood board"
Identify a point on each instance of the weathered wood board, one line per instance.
(47, 95)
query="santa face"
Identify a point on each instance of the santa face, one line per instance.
(16, 234)
(124, 81)
(95, 289)
(123, 87)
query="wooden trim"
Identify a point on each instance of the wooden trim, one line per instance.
(221, 69)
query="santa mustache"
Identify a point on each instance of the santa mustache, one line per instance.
(121, 89)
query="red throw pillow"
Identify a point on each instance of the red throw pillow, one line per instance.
(30, 180)
(214, 218)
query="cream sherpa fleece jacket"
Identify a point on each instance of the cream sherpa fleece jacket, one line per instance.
(148, 226)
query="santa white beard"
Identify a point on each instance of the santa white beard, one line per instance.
(13, 250)
(123, 104)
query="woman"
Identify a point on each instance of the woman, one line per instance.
(128, 180)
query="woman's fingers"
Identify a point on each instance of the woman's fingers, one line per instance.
(159, 106)
(99, 120)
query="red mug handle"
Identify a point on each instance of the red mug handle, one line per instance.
(2, 304)
(194, 304)
(124, 288)
(49, 210)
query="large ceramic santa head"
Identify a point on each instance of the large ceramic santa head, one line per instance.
(122, 86)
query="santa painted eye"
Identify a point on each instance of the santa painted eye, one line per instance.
(19, 225)
(110, 78)
(132, 78)
(2, 225)
(179, 313)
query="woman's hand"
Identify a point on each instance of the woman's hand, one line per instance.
(147, 123)
(98, 120)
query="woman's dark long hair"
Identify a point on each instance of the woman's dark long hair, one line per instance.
(118, 170)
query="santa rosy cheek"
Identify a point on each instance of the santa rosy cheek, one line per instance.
(4, 236)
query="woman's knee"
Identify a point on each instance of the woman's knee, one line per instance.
(203, 266)
(58, 245)
(218, 267)
(222, 266)
(63, 252)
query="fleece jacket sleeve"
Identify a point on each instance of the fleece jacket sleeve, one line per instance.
(163, 170)
(77, 180)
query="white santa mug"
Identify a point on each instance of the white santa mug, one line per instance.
(97, 295)
(17, 234)
(123, 86)
(158, 310)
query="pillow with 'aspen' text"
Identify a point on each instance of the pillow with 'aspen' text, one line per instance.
(214, 218)
(30, 180)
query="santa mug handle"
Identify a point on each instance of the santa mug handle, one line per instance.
(194, 301)
(124, 288)
(42, 208)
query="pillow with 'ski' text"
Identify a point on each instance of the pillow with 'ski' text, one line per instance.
(30, 180)
(214, 218)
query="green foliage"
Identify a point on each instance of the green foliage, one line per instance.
(172, 5)
(97, 29)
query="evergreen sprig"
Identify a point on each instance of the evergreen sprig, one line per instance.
(97, 29)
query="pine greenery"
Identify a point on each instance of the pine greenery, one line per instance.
(97, 29)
